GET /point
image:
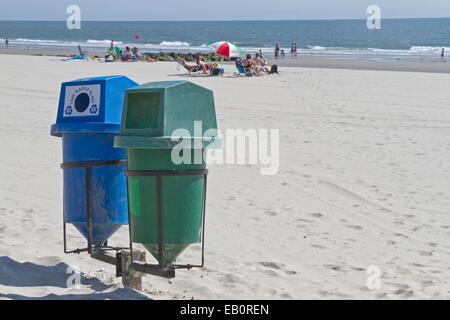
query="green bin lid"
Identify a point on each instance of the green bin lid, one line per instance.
(163, 114)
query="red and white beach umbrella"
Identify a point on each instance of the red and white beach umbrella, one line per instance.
(225, 48)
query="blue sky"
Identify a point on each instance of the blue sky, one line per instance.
(220, 10)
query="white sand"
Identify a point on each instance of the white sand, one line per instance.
(363, 181)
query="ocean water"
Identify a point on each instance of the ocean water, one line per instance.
(398, 37)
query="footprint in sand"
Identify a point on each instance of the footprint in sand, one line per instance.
(404, 293)
(271, 292)
(272, 265)
(290, 272)
(427, 283)
(335, 267)
(270, 213)
(354, 227)
(400, 235)
(358, 269)
(418, 265)
(425, 253)
(316, 215)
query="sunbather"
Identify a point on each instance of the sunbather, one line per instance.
(190, 67)
(137, 54)
(205, 66)
(142, 57)
(262, 63)
(128, 55)
(250, 64)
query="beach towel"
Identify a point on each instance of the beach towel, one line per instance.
(77, 58)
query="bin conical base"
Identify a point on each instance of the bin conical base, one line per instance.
(170, 253)
(100, 232)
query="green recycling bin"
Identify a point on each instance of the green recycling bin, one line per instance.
(166, 127)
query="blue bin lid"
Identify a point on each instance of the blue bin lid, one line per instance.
(91, 105)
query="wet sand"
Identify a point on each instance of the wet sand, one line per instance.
(304, 61)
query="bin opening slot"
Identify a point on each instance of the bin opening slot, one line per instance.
(142, 110)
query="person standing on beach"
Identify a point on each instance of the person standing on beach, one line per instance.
(294, 49)
(443, 55)
(7, 42)
(277, 50)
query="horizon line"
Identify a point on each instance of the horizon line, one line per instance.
(216, 20)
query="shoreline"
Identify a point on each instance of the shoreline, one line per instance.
(404, 64)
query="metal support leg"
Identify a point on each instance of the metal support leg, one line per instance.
(88, 207)
(160, 222)
(130, 277)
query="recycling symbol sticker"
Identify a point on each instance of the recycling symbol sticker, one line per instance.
(68, 110)
(93, 109)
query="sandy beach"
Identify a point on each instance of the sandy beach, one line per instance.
(363, 181)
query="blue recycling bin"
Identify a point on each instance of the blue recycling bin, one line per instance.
(89, 116)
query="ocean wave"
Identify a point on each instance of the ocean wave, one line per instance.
(104, 42)
(174, 44)
(35, 40)
(412, 51)
(182, 46)
(428, 50)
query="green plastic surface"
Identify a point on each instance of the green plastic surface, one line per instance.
(151, 113)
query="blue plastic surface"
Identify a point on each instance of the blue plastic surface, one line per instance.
(88, 119)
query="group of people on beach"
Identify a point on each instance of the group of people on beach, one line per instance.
(279, 51)
(128, 54)
(257, 65)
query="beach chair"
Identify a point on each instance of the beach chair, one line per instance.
(188, 71)
(110, 55)
(242, 71)
(136, 55)
(82, 53)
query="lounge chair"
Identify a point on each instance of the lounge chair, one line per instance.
(245, 71)
(188, 70)
(110, 56)
(82, 53)
(136, 55)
